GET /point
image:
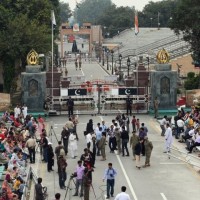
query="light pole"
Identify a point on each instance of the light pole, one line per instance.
(107, 58)
(158, 21)
(128, 64)
(151, 21)
(112, 52)
(120, 65)
(103, 49)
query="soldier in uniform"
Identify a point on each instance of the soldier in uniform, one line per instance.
(128, 105)
(117, 134)
(148, 149)
(133, 141)
(155, 105)
(76, 63)
(101, 146)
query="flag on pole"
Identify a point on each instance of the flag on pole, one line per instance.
(53, 19)
(136, 24)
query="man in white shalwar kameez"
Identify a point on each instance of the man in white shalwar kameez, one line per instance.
(168, 138)
(17, 111)
(24, 110)
(73, 145)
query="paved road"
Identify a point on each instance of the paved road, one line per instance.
(166, 179)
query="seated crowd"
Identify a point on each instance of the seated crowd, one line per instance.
(187, 128)
(14, 133)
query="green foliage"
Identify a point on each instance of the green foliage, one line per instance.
(8, 74)
(192, 81)
(65, 12)
(91, 10)
(186, 20)
(149, 16)
(25, 25)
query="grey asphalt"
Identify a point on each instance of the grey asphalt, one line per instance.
(167, 179)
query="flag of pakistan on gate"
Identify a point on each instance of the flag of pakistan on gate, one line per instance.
(127, 91)
(77, 92)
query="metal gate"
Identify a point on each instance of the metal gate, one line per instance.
(101, 98)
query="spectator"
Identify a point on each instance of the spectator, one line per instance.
(123, 195)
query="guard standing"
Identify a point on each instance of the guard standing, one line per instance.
(128, 105)
(155, 104)
(148, 149)
(70, 105)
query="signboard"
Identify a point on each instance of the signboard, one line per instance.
(77, 92)
(4, 101)
(127, 91)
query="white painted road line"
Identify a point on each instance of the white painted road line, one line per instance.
(163, 196)
(126, 177)
(172, 163)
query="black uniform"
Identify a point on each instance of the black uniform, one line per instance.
(70, 104)
(128, 106)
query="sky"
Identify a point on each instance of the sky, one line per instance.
(139, 4)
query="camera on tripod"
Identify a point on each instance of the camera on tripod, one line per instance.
(73, 175)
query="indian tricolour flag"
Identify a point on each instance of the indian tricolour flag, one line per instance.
(136, 24)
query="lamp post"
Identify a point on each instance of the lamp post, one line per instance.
(103, 49)
(158, 20)
(107, 58)
(112, 52)
(128, 64)
(151, 21)
(120, 65)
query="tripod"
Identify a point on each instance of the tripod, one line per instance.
(69, 188)
(51, 132)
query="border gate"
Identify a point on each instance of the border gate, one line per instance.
(98, 97)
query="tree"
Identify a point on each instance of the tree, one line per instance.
(192, 81)
(117, 19)
(149, 15)
(24, 25)
(91, 10)
(65, 12)
(186, 21)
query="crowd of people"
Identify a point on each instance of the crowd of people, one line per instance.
(186, 129)
(21, 134)
(17, 145)
(98, 138)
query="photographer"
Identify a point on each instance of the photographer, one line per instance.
(79, 178)
(86, 184)
(62, 165)
(87, 162)
(109, 176)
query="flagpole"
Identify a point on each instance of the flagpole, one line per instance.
(52, 56)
